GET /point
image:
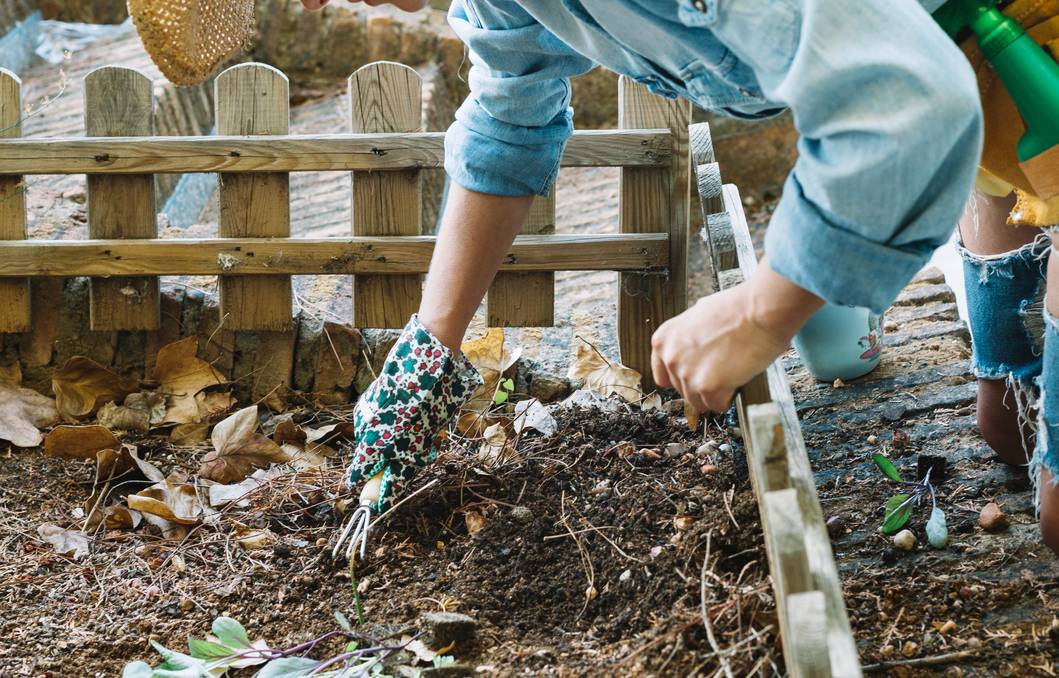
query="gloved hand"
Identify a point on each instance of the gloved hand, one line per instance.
(419, 390)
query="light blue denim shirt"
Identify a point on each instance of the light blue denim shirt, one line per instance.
(886, 105)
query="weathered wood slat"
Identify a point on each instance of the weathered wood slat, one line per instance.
(302, 153)
(324, 256)
(14, 294)
(385, 97)
(653, 200)
(120, 101)
(526, 299)
(254, 99)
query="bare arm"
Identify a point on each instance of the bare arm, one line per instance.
(476, 233)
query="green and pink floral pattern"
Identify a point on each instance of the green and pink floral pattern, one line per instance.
(421, 387)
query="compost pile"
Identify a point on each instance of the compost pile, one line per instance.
(567, 538)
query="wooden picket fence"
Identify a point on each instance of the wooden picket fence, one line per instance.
(386, 252)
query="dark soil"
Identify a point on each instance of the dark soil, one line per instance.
(640, 530)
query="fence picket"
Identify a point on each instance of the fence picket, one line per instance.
(653, 200)
(386, 97)
(14, 294)
(254, 100)
(526, 299)
(119, 102)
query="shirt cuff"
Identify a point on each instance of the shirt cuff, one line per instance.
(486, 155)
(834, 263)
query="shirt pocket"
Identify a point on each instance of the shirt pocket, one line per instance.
(697, 13)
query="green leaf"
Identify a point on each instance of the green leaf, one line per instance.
(288, 667)
(351, 646)
(204, 649)
(937, 529)
(137, 670)
(343, 622)
(231, 633)
(500, 398)
(887, 467)
(898, 511)
(508, 384)
(178, 665)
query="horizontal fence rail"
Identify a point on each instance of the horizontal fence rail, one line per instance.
(389, 255)
(302, 153)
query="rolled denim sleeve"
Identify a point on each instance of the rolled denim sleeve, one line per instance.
(510, 132)
(891, 131)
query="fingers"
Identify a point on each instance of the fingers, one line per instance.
(314, 4)
(659, 371)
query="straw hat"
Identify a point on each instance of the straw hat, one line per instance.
(189, 39)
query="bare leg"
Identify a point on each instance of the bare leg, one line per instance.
(1049, 492)
(476, 232)
(986, 235)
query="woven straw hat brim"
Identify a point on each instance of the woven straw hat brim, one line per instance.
(189, 39)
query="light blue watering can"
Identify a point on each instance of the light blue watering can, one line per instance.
(840, 342)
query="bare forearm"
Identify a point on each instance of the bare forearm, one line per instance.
(476, 232)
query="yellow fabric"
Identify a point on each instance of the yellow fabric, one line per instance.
(1003, 124)
(189, 39)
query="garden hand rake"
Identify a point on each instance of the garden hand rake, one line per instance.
(355, 532)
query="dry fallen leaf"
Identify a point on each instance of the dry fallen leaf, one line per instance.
(184, 378)
(603, 376)
(120, 517)
(238, 493)
(492, 358)
(238, 449)
(82, 386)
(23, 413)
(254, 539)
(169, 504)
(79, 442)
(495, 448)
(651, 402)
(73, 544)
(138, 413)
(188, 435)
(533, 414)
(302, 452)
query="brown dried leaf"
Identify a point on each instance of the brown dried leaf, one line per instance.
(492, 358)
(82, 386)
(238, 449)
(173, 500)
(23, 413)
(603, 376)
(138, 413)
(188, 435)
(79, 442)
(184, 378)
(255, 539)
(73, 544)
(496, 448)
(475, 522)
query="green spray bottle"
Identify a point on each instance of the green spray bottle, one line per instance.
(1028, 72)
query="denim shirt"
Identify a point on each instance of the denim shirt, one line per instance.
(886, 106)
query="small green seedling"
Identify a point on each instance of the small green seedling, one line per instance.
(504, 389)
(898, 508)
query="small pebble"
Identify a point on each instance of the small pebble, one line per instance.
(709, 469)
(836, 526)
(905, 540)
(873, 440)
(966, 592)
(521, 514)
(889, 555)
(675, 450)
(187, 605)
(725, 448)
(838, 383)
(992, 518)
(703, 451)
(736, 432)
(625, 576)
(886, 651)
(947, 628)
(974, 643)
(910, 649)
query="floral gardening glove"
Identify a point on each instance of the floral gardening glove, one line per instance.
(421, 387)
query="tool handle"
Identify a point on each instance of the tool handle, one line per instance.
(372, 489)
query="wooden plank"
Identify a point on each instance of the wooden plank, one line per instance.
(301, 153)
(842, 649)
(765, 428)
(14, 294)
(526, 299)
(653, 200)
(324, 256)
(254, 99)
(120, 102)
(785, 531)
(807, 640)
(386, 97)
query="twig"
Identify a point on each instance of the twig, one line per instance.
(922, 661)
(705, 613)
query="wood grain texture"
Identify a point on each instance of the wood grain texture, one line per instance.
(807, 639)
(14, 294)
(120, 102)
(301, 153)
(324, 256)
(254, 99)
(386, 97)
(653, 200)
(526, 299)
(769, 445)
